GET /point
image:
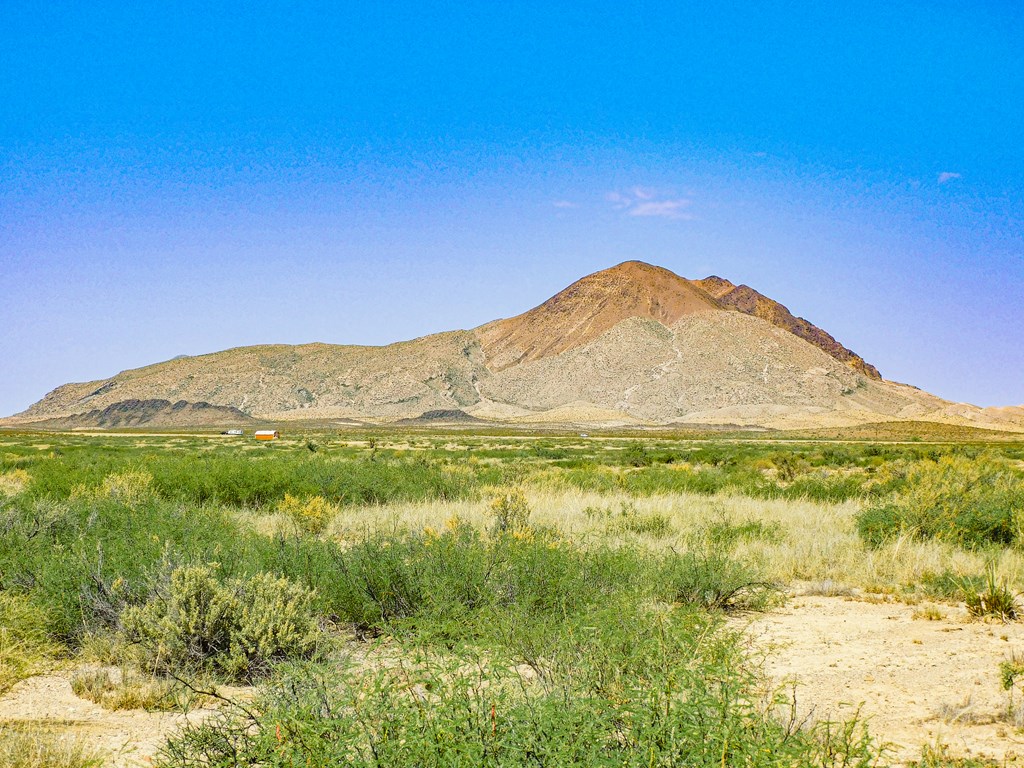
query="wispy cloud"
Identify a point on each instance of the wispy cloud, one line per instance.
(564, 204)
(947, 176)
(646, 201)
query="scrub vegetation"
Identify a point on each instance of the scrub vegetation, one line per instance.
(410, 598)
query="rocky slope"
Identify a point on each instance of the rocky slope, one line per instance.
(627, 345)
(152, 413)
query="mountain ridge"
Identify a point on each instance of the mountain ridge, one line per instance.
(632, 344)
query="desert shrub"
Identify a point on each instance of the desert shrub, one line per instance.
(84, 560)
(459, 585)
(511, 511)
(635, 454)
(972, 502)
(131, 487)
(827, 488)
(787, 465)
(940, 756)
(631, 689)
(714, 581)
(993, 600)
(248, 482)
(878, 523)
(241, 479)
(949, 585)
(310, 514)
(431, 579)
(24, 645)
(14, 482)
(235, 626)
(1010, 670)
(707, 481)
(33, 748)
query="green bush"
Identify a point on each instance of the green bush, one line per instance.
(715, 581)
(511, 512)
(972, 502)
(24, 645)
(635, 454)
(236, 626)
(878, 523)
(994, 599)
(631, 689)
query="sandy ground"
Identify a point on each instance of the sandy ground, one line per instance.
(917, 681)
(125, 738)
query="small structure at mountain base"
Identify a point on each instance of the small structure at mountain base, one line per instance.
(266, 434)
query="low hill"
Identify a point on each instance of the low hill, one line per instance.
(151, 413)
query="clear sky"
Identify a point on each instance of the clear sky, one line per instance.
(180, 178)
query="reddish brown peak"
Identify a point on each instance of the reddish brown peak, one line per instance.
(595, 304)
(590, 307)
(745, 299)
(715, 286)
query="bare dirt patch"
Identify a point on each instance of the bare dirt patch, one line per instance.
(918, 682)
(126, 738)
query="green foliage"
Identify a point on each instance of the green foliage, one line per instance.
(636, 455)
(994, 600)
(254, 481)
(938, 756)
(629, 519)
(715, 581)
(24, 644)
(457, 585)
(972, 502)
(1010, 670)
(879, 523)
(84, 560)
(653, 524)
(511, 511)
(952, 586)
(725, 535)
(236, 626)
(629, 688)
(311, 514)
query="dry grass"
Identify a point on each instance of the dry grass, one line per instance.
(25, 747)
(119, 688)
(817, 542)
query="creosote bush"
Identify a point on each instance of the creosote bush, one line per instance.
(511, 511)
(236, 626)
(624, 688)
(716, 581)
(311, 514)
(14, 482)
(971, 502)
(24, 645)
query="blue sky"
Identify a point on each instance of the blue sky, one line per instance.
(182, 179)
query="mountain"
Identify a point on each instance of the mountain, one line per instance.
(634, 344)
(151, 413)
